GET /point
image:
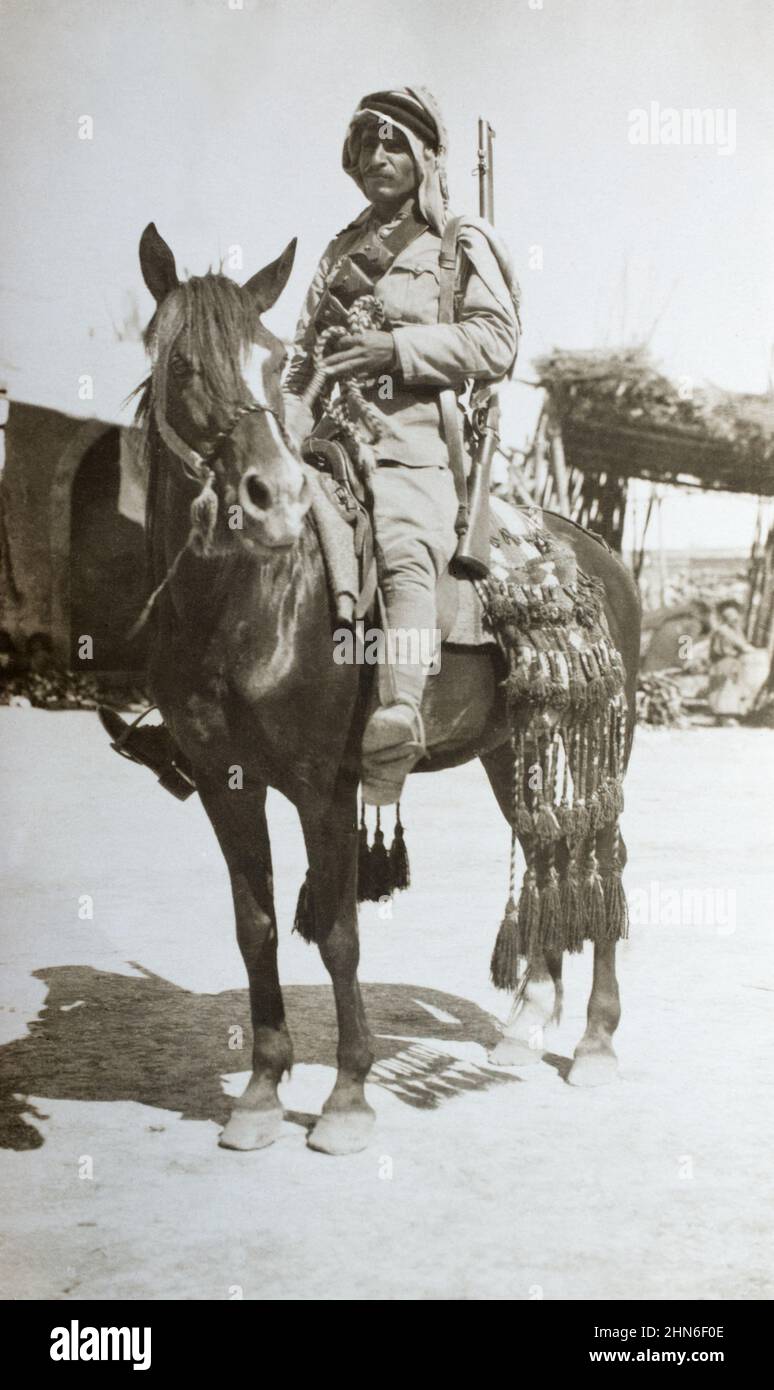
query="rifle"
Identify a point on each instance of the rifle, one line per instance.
(471, 558)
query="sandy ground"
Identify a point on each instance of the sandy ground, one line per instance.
(479, 1184)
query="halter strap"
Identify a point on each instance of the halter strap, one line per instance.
(196, 465)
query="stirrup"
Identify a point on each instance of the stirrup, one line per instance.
(171, 776)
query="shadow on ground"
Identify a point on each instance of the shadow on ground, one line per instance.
(108, 1037)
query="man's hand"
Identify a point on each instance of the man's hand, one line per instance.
(364, 353)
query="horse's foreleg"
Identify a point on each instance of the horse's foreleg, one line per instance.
(595, 1061)
(239, 820)
(539, 1002)
(537, 1005)
(331, 841)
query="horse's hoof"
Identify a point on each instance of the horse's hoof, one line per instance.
(514, 1052)
(593, 1069)
(251, 1129)
(342, 1131)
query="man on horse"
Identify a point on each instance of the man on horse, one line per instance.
(395, 151)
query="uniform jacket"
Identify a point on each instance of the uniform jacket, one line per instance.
(480, 345)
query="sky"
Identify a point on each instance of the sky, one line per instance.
(223, 121)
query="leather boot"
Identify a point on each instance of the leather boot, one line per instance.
(152, 746)
(393, 742)
(394, 736)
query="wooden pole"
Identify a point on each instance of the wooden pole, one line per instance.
(559, 466)
(539, 458)
(661, 556)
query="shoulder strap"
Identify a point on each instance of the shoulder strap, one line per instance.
(447, 397)
(448, 269)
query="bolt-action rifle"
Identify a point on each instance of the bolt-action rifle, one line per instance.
(471, 559)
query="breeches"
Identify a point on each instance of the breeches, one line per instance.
(414, 511)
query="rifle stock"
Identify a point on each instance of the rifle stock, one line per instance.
(471, 558)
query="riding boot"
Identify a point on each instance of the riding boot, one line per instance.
(394, 736)
(150, 745)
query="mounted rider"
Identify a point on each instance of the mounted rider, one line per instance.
(395, 151)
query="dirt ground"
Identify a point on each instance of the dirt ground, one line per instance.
(480, 1183)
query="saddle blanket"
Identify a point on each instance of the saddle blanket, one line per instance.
(461, 615)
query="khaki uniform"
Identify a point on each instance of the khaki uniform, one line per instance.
(414, 499)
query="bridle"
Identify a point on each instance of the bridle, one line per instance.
(196, 465)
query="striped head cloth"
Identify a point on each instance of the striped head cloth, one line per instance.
(416, 114)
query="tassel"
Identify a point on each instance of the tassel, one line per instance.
(380, 877)
(504, 967)
(545, 824)
(529, 913)
(572, 916)
(399, 860)
(539, 689)
(606, 813)
(580, 817)
(303, 922)
(616, 907)
(551, 913)
(363, 862)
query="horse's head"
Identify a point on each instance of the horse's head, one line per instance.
(215, 396)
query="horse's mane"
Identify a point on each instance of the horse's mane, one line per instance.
(214, 321)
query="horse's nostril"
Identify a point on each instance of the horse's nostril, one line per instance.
(258, 494)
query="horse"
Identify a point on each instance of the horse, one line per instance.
(241, 670)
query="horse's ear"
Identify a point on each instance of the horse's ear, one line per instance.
(157, 264)
(267, 285)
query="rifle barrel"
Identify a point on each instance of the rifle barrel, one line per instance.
(489, 214)
(482, 165)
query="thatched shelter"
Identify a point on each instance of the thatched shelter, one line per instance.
(612, 415)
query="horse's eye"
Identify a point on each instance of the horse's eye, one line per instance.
(179, 367)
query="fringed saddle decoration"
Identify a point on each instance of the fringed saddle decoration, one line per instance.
(567, 712)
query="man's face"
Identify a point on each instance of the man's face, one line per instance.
(385, 164)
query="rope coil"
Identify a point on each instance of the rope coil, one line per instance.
(350, 411)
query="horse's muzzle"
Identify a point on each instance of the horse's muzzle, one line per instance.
(273, 516)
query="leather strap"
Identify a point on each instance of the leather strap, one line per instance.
(356, 273)
(447, 396)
